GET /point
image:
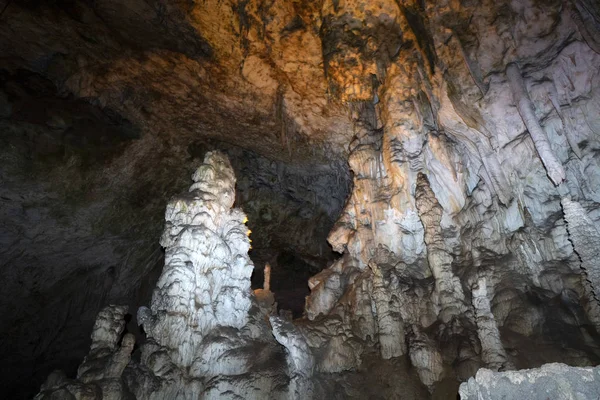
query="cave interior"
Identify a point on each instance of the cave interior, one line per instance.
(295, 199)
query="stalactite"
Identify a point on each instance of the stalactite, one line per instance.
(587, 23)
(472, 67)
(521, 98)
(493, 171)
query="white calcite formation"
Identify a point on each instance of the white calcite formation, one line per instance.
(205, 283)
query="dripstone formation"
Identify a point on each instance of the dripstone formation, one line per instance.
(205, 332)
(426, 173)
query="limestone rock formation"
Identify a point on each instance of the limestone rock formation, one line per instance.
(551, 381)
(200, 312)
(447, 151)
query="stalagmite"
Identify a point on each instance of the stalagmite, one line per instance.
(391, 329)
(492, 350)
(300, 360)
(448, 286)
(267, 279)
(99, 375)
(205, 283)
(521, 98)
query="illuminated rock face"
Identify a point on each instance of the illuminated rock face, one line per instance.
(465, 143)
(206, 280)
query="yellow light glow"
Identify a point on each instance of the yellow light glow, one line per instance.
(248, 232)
(245, 220)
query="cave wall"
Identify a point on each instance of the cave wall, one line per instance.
(475, 143)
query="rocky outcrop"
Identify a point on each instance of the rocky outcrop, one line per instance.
(457, 140)
(99, 376)
(551, 381)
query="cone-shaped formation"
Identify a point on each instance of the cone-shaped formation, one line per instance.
(206, 280)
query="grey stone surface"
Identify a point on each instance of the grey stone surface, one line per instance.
(551, 381)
